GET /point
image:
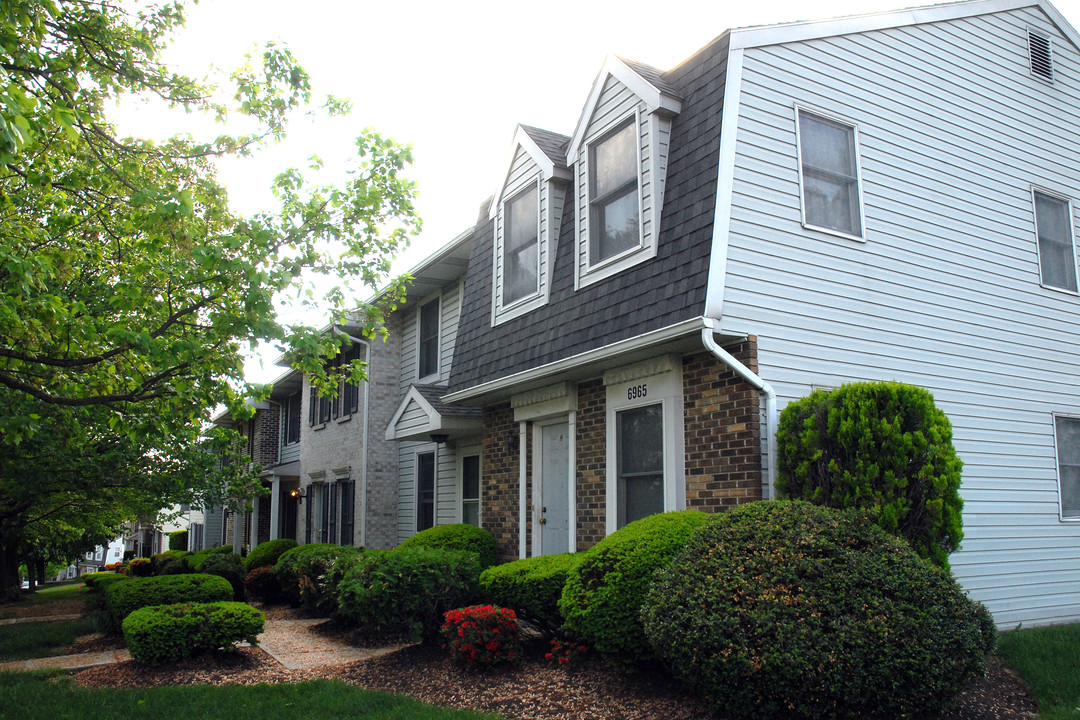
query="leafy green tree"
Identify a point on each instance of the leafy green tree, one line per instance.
(126, 279)
(884, 447)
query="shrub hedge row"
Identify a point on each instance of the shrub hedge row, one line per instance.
(167, 633)
(123, 598)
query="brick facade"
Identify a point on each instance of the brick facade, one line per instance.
(591, 463)
(722, 431)
(721, 435)
(266, 431)
(499, 494)
(382, 458)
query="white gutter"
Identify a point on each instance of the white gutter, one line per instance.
(761, 386)
(367, 438)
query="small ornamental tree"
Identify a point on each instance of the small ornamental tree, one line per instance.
(883, 447)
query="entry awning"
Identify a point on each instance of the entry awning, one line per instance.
(422, 413)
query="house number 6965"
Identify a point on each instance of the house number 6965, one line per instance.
(636, 391)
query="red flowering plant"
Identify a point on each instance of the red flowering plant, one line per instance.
(114, 567)
(482, 635)
(563, 652)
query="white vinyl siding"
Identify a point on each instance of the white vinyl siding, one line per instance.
(446, 496)
(953, 134)
(450, 315)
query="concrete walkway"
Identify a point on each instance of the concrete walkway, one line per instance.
(290, 642)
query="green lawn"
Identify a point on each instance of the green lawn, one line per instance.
(41, 639)
(50, 696)
(58, 597)
(1048, 659)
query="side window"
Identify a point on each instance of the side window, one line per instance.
(1053, 225)
(292, 419)
(428, 331)
(470, 489)
(1067, 437)
(614, 208)
(425, 491)
(521, 246)
(829, 174)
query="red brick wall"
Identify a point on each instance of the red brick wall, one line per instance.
(591, 463)
(722, 431)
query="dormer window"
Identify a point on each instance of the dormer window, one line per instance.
(521, 246)
(527, 211)
(619, 153)
(615, 210)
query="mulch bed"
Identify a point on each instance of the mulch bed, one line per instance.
(590, 690)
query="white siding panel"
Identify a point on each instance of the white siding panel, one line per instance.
(944, 293)
(446, 500)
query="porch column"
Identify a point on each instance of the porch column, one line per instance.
(275, 507)
(571, 483)
(237, 531)
(256, 509)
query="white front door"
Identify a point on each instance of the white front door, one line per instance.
(553, 504)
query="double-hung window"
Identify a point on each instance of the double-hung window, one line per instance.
(829, 174)
(614, 209)
(428, 350)
(1067, 436)
(1053, 225)
(470, 489)
(640, 452)
(292, 419)
(521, 246)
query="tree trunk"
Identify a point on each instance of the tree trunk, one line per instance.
(9, 568)
(40, 565)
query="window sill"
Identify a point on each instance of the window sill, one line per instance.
(1063, 291)
(616, 264)
(344, 418)
(834, 233)
(317, 428)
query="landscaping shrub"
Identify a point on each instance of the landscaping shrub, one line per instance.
(169, 563)
(532, 587)
(139, 567)
(228, 566)
(787, 609)
(267, 553)
(883, 447)
(98, 581)
(482, 635)
(122, 598)
(459, 536)
(262, 584)
(195, 560)
(302, 571)
(603, 594)
(167, 633)
(178, 540)
(407, 591)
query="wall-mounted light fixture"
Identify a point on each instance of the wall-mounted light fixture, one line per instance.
(297, 494)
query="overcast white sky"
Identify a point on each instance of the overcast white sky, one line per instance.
(453, 79)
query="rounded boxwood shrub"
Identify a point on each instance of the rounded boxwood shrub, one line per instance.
(532, 587)
(458, 536)
(195, 560)
(169, 563)
(98, 581)
(884, 447)
(267, 553)
(229, 566)
(167, 633)
(787, 609)
(123, 598)
(603, 594)
(407, 590)
(302, 572)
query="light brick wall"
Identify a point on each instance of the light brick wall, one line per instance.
(382, 478)
(591, 463)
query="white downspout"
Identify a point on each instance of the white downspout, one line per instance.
(761, 386)
(367, 436)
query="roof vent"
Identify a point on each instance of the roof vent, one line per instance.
(1039, 51)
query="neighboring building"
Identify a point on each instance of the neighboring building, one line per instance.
(799, 206)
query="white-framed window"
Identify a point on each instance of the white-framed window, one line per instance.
(469, 474)
(427, 339)
(426, 469)
(645, 469)
(521, 246)
(1054, 231)
(1067, 441)
(829, 177)
(614, 200)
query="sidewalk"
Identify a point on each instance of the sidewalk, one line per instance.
(290, 642)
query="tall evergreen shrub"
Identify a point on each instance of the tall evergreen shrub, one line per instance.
(884, 447)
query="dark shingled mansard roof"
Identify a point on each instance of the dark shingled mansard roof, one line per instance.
(657, 293)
